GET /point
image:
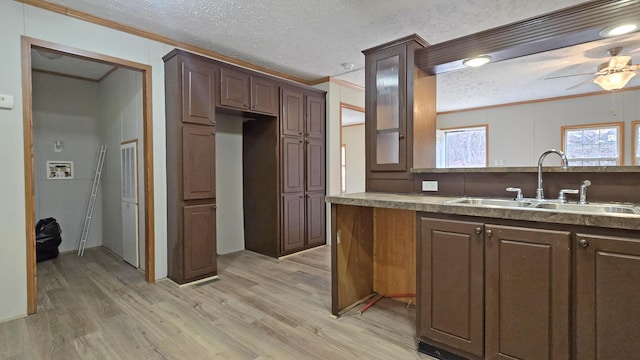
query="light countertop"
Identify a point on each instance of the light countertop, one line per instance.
(438, 204)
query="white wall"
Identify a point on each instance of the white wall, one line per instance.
(518, 134)
(336, 94)
(19, 19)
(229, 199)
(66, 109)
(120, 109)
(353, 138)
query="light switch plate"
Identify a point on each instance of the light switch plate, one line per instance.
(6, 101)
(429, 186)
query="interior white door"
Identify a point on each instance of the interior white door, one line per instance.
(129, 182)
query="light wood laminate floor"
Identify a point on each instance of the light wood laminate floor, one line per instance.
(98, 307)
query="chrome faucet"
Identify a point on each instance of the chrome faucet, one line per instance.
(565, 166)
(583, 192)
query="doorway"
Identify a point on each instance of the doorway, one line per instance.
(352, 149)
(29, 45)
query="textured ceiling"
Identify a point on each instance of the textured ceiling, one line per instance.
(311, 39)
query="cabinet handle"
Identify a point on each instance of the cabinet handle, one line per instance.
(488, 233)
(583, 242)
(478, 230)
(300, 196)
(401, 136)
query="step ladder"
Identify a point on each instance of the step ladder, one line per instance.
(92, 201)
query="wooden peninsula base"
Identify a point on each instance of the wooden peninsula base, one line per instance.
(374, 252)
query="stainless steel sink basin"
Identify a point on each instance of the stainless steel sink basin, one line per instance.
(593, 208)
(590, 208)
(491, 202)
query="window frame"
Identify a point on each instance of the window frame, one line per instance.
(470, 127)
(635, 146)
(343, 168)
(618, 124)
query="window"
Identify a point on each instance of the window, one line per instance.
(635, 127)
(462, 147)
(593, 145)
(343, 168)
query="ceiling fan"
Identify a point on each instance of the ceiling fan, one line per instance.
(611, 75)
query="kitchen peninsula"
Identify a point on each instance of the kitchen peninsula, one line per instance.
(494, 277)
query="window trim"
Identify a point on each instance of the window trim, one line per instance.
(618, 124)
(634, 142)
(343, 169)
(486, 139)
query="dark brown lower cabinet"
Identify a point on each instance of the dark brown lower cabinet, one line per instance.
(200, 258)
(607, 297)
(492, 291)
(292, 222)
(527, 286)
(450, 292)
(315, 214)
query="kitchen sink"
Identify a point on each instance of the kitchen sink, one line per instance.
(491, 202)
(590, 208)
(593, 208)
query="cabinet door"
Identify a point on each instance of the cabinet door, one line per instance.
(315, 214)
(527, 273)
(198, 93)
(198, 162)
(388, 110)
(234, 90)
(292, 222)
(292, 164)
(450, 294)
(292, 117)
(264, 96)
(314, 164)
(200, 258)
(607, 293)
(315, 119)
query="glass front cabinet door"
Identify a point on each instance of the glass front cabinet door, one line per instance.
(388, 111)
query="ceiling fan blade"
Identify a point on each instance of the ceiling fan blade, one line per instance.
(582, 83)
(618, 62)
(565, 76)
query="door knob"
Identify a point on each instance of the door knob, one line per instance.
(478, 230)
(583, 242)
(488, 233)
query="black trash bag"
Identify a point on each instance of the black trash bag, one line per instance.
(48, 238)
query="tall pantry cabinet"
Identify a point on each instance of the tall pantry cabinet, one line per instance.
(190, 86)
(283, 152)
(303, 170)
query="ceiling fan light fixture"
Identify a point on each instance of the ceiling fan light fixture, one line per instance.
(619, 29)
(477, 61)
(614, 81)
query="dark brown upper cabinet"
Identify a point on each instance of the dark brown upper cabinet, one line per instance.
(315, 116)
(264, 95)
(246, 92)
(198, 92)
(397, 137)
(292, 117)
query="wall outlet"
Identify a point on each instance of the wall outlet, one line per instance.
(429, 186)
(6, 101)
